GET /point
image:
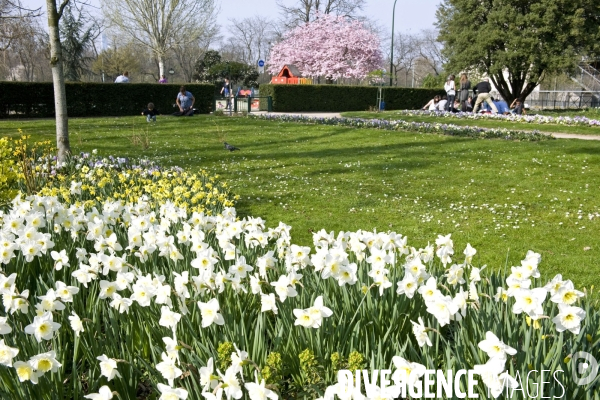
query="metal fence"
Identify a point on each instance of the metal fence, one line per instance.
(563, 99)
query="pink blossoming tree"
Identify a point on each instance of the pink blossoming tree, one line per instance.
(330, 46)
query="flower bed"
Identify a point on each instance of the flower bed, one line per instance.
(421, 127)
(530, 119)
(180, 303)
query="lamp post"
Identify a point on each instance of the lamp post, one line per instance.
(392, 48)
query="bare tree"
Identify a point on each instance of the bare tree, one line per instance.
(430, 50)
(406, 53)
(12, 16)
(253, 34)
(298, 12)
(161, 24)
(186, 54)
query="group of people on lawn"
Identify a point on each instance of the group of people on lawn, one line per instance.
(185, 100)
(462, 100)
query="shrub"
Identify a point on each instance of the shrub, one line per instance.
(28, 99)
(8, 176)
(293, 98)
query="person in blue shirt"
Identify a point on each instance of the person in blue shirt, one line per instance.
(501, 106)
(185, 101)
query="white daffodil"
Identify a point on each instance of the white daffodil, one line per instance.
(103, 394)
(25, 372)
(567, 294)
(555, 284)
(43, 327)
(408, 286)
(569, 318)
(64, 292)
(303, 317)
(76, 324)
(121, 303)
(442, 308)
(108, 367)
(207, 378)
(429, 291)
(60, 259)
(4, 327)
(7, 353)
(283, 288)
(268, 303)
(530, 302)
(168, 369)
(231, 384)
(495, 348)
(210, 313)
(407, 372)
(45, 362)
(258, 391)
(469, 253)
(420, 332)
(169, 393)
(168, 318)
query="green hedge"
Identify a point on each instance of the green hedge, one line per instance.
(27, 99)
(293, 98)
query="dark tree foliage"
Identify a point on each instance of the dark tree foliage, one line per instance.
(77, 38)
(518, 42)
(212, 70)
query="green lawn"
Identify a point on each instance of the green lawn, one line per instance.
(550, 128)
(503, 197)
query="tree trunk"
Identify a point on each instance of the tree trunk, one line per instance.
(58, 80)
(161, 66)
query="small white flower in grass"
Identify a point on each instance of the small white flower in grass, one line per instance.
(168, 318)
(210, 313)
(45, 362)
(42, 327)
(283, 288)
(231, 384)
(207, 378)
(76, 324)
(495, 348)
(60, 259)
(103, 394)
(169, 393)
(7, 353)
(530, 302)
(420, 332)
(569, 318)
(25, 372)
(4, 327)
(258, 391)
(108, 367)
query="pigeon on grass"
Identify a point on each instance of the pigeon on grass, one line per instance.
(230, 147)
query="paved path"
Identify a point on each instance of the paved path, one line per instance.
(338, 115)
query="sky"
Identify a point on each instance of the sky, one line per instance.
(410, 15)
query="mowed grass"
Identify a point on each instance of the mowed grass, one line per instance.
(523, 126)
(502, 197)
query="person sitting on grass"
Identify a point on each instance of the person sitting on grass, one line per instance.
(516, 107)
(432, 104)
(150, 112)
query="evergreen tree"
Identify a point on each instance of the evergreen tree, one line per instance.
(76, 40)
(528, 39)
